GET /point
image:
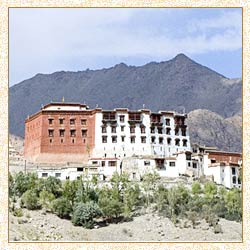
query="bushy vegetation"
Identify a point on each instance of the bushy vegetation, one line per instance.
(83, 201)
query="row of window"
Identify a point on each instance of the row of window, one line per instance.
(73, 140)
(144, 140)
(143, 130)
(72, 121)
(72, 132)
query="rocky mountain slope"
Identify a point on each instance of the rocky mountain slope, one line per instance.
(211, 129)
(179, 84)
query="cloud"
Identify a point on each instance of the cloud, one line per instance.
(46, 40)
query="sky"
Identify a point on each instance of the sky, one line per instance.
(45, 40)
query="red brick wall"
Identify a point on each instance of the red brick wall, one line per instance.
(225, 157)
(46, 151)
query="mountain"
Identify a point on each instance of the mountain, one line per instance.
(179, 84)
(211, 129)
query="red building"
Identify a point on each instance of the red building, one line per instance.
(60, 132)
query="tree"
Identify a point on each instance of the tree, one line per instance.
(84, 214)
(210, 191)
(69, 190)
(46, 198)
(30, 200)
(62, 207)
(53, 185)
(196, 188)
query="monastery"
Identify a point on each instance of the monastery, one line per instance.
(71, 139)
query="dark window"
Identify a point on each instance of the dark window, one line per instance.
(143, 139)
(94, 162)
(160, 140)
(132, 139)
(168, 122)
(146, 163)
(112, 163)
(103, 163)
(61, 140)
(159, 130)
(51, 132)
(188, 157)
(61, 132)
(113, 129)
(143, 129)
(177, 142)
(189, 164)
(51, 121)
(122, 128)
(239, 181)
(73, 141)
(134, 116)
(44, 174)
(108, 116)
(114, 139)
(84, 132)
(121, 118)
(79, 169)
(176, 131)
(50, 140)
(153, 139)
(233, 171)
(168, 130)
(234, 179)
(183, 132)
(72, 121)
(83, 121)
(57, 175)
(169, 141)
(104, 129)
(104, 139)
(152, 130)
(61, 120)
(172, 164)
(194, 165)
(132, 129)
(184, 143)
(72, 132)
(123, 138)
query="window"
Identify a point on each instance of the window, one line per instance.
(103, 164)
(57, 175)
(132, 139)
(159, 130)
(114, 139)
(194, 165)
(153, 139)
(61, 121)
(161, 140)
(61, 132)
(122, 128)
(134, 116)
(73, 140)
(134, 175)
(239, 181)
(123, 138)
(146, 163)
(176, 131)
(152, 130)
(183, 132)
(104, 129)
(169, 141)
(50, 141)
(44, 174)
(72, 133)
(112, 163)
(61, 140)
(143, 129)
(51, 132)
(83, 121)
(72, 121)
(168, 130)
(84, 140)
(172, 164)
(132, 129)
(67, 177)
(234, 179)
(104, 139)
(233, 171)
(50, 121)
(184, 143)
(94, 162)
(188, 156)
(177, 142)
(113, 129)
(84, 132)
(108, 116)
(167, 122)
(189, 164)
(121, 118)
(79, 169)
(143, 139)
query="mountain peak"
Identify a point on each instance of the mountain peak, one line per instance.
(181, 56)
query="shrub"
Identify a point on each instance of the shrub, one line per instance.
(69, 190)
(196, 188)
(62, 207)
(30, 200)
(45, 199)
(18, 212)
(53, 185)
(84, 214)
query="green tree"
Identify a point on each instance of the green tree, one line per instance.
(196, 188)
(62, 207)
(46, 198)
(53, 185)
(69, 190)
(210, 191)
(84, 214)
(30, 200)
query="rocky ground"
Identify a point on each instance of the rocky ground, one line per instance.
(43, 226)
